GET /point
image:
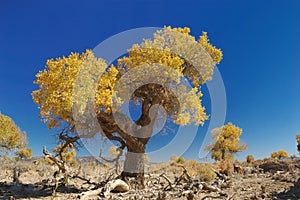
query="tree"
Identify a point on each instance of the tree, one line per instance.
(279, 154)
(274, 155)
(227, 142)
(180, 160)
(68, 85)
(298, 142)
(11, 137)
(24, 153)
(249, 158)
(173, 158)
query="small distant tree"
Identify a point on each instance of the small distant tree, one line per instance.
(282, 154)
(180, 160)
(25, 153)
(298, 141)
(63, 157)
(249, 158)
(279, 154)
(173, 158)
(11, 136)
(274, 155)
(227, 142)
(113, 151)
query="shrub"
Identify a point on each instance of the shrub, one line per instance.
(249, 158)
(180, 160)
(200, 171)
(226, 167)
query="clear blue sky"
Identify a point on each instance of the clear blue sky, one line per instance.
(260, 69)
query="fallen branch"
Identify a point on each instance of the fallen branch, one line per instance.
(168, 180)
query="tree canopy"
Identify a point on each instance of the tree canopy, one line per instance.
(279, 154)
(77, 89)
(11, 136)
(227, 142)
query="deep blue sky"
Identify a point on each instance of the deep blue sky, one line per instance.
(259, 39)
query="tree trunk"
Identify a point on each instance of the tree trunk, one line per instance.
(135, 157)
(134, 166)
(223, 154)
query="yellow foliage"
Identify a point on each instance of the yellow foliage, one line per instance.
(215, 53)
(227, 142)
(56, 86)
(24, 153)
(180, 160)
(11, 136)
(48, 160)
(279, 154)
(249, 158)
(62, 91)
(113, 151)
(66, 152)
(274, 155)
(203, 172)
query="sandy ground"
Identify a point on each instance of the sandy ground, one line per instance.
(273, 180)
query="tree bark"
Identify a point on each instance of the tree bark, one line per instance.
(134, 166)
(135, 157)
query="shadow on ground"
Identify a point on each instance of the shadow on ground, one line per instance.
(38, 190)
(293, 193)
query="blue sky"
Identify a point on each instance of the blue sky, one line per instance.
(260, 69)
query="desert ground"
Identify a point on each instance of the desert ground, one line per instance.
(263, 179)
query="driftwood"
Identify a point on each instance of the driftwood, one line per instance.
(115, 185)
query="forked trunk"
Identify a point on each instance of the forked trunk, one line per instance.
(135, 157)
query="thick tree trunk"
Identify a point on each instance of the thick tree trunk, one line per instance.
(135, 157)
(134, 166)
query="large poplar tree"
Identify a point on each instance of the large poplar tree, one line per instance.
(150, 75)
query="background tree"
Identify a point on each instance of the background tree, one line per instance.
(59, 96)
(180, 160)
(227, 142)
(25, 153)
(113, 151)
(11, 137)
(116, 153)
(249, 158)
(274, 155)
(279, 154)
(173, 158)
(64, 156)
(298, 142)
